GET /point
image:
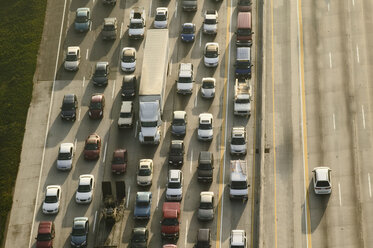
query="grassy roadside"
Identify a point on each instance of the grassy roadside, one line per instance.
(21, 27)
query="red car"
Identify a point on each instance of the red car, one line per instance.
(119, 162)
(96, 106)
(92, 147)
(45, 235)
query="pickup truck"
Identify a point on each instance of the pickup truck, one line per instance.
(137, 23)
(171, 220)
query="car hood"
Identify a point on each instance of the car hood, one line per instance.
(170, 229)
(136, 31)
(118, 166)
(187, 36)
(206, 213)
(208, 92)
(78, 239)
(127, 65)
(68, 112)
(91, 153)
(174, 191)
(211, 60)
(123, 121)
(142, 211)
(83, 196)
(205, 133)
(178, 129)
(71, 64)
(50, 206)
(149, 131)
(210, 27)
(44, 244)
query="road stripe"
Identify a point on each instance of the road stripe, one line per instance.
(136, 128)
(121, 30)
(353, 2)
(370, 188)
(328, 7)
(128, 196)
(80, 110)
(340, 195)
(158, 192)
(83, 81)
(304, 126)
(103, 159)
(94, 222)
(195, 100)
(164, 129)
(112, 93)
(363, 114)
(86, 55)
(176, 9)
(334, 121)
(75, 144)
(357, 53)
(186, 233)
(150, 8)
(223, 139)
(200, 38)
(330, 60)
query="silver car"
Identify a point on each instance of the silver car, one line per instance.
(206, 206)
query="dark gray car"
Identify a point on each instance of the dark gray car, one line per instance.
(139, 237)
(101, 74)
(109, 30)
(179, 122)
(79, 234)
(68, 108)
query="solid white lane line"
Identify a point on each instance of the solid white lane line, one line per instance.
(86, 55)
(363, 114)
(75, 144)
(370, 188)
(191, 162)
(328, 7)
(195, 100)
(83, 81)
(340, 196)
(353, 2)
(128, 196)
(176, 9)
(136, 129)
(200, 38)
(158, 192)
(103, 159)
(357, 53)
(112, 93)
(80, 110)
(186, 233)
(334, 121)
(46, 130)
(150, 8)
(121, 30)
(330, 60)
(164, 129)
(94, 222)
(170, 68)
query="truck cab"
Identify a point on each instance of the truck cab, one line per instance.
(242, 97)
(137, 23)
(238, 180)
(150, 116)
(171, 220)
(184, 83)
(237, 239)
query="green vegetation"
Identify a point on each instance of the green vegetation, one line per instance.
(21, 27)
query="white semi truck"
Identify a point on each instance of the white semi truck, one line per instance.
(242, 97)
(153, 85)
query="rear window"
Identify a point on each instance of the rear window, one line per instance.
(322, 184)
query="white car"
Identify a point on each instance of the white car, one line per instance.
(145, 172)
(205, 127)
(128, 59)
(51, 204)
(210, 24)
(211, 54)
(238, 141)
(208, 87)
(85, 189)
(65, 156)
(72, 59)
(174, 191)
(161, 17)
(322, 180)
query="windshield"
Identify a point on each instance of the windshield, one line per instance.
(128, 59)
(243, 64)
(100, 73)
(243, 100)
(149, 123)
(205, 126)
(95, 105)
(142, 203)
(178, 122)
(174, 185)
(145, 172)
(138, 238)
(188, 30)
(84, 188)
(50, 199)
(160, 17)
(210, 21)
(127, 86)
(71, 57)
(78, 232)
(238, 141)
(81, 19)
(91, 146)
(64, 156)
(205, 205)
(211, 54)
(125, 115)
(68, 106)
(208, 85)
(239, 185)
(204, 166)
(136, 25)
(44, 237)
(176, 151)
(170, 222)
(185, 80)
(322, 184)
(118, 160)
(244, 31)
(109, 27)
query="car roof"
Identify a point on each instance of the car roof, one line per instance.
(129, 51)
(126, 106)
(212, 46)
(128, 79)
(52, 190)
(179, 114)
(178, 144)
(174, 175)
(161, 10)
(208, 79)
(82, 11)
(80, 221)
(322, 173)
(45, 227)
(188, 25)
(205, 155)
(203, 234)
(207, 196)
(85, 179)
(119, 152)
(143, 196)
(110, 20)
(97, 97)
(69, 98)
(72, 49)
(65, 147)
(145, 163)
(238, 132)
(238, 237)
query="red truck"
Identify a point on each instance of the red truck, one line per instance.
(46, 234)
(171, 220)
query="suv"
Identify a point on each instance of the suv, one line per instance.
(208, 87)
(96, 106)
(203, 238)
(79, 234)
(206, 206)
(184, 83)
(72, 59)
(65, 156)
(211, 54)
(68, 108)
(145, 172)
(237, 239)
(205, 167)
(128, 60)
(176, 154)
(179, 122)
(129, 84)
(238, 141)
(139, 237)
(126, 115)
(205, 128)
(188, 32)
(174, 191)
(101, 74)
(322, 180)
(189, 5)
(46, 234)
(119, 161)
(210, 24)
(109, 30)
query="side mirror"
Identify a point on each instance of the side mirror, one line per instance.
(229, 185)
(128, 26)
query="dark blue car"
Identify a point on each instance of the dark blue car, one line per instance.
(188, 32)
(143, 205)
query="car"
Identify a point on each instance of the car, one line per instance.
(188, 31)
(86, 185)
(129, 85)
(96, 106)
(46, 233)
(128, 59)
(139, 237)
(69, 106)
(119, 161)
(176, 153)
(205, 127)
(210, 23)
(206, 206)
(179, 123)
(143, 205)
(238, 141)
(244, 5)
(80, 231)
(238, 239)
(111, 2)
(92, 147)
(83, 20)
(203, 238)
(145, 172)
(322, 180)
(211, 54)
(51, 204)
(185, 80)
(174, 191)
(205, 169)
(65, 156)
(161, 17)
(72, 59)
(109, 29)
(136, 27)
(126, 115)
(101, 74)
(208, 87)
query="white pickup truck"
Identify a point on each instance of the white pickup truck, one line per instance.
(137, 23)
(242, 97)
(210, 23)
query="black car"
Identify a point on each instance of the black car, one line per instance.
(203, 238)
(176, 154)
(179, 122)
(205, 169)
(79, 234)
(129, 87)
(139, 238)
(101, 74)
(68, 108)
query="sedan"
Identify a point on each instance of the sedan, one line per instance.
(92, 147)
(96, 106)
(79, 234)
(84, 192)
(161, 16)
(51, 204)
(101, 74)
(208, 87)
(128, 59)
(65, 156)
(119, 162)
(179, 122)
(205, 128)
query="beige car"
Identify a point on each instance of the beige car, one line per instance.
(145, 172)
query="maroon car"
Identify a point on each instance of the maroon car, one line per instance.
(96, 106)
(119, 162)
(45, 235)
(92, 147)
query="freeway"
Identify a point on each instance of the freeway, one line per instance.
(38, 163)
